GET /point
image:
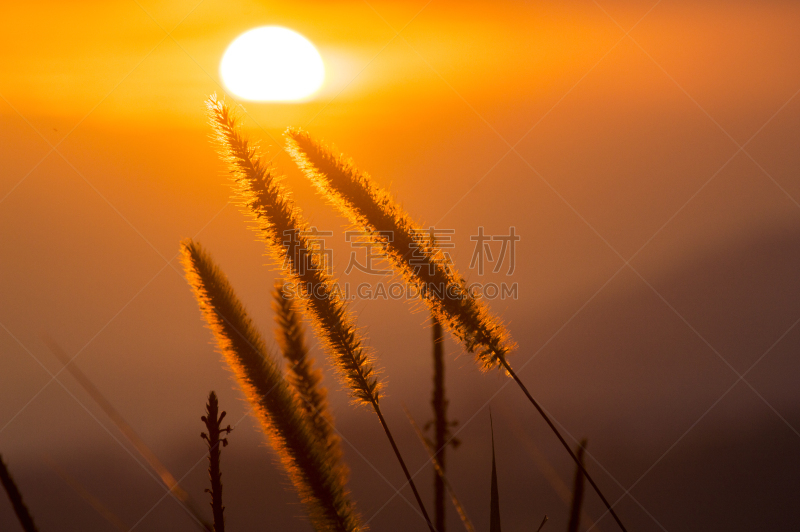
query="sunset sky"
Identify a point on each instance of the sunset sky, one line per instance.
(645, 152)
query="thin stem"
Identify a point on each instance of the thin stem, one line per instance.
(403, 465)
(439, 420)
(175, 491)
(562, 440)
(577, 493)
(456, 503)
(15, 497)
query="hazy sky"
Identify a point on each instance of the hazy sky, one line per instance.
(645, 152)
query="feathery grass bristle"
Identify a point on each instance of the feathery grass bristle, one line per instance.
(303, 377)
(281, 226)
(319, 486)
(366, 205)
(277, 219)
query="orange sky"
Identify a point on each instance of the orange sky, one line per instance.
(61, 59)
(625, 148)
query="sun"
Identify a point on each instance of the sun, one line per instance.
(272, 63)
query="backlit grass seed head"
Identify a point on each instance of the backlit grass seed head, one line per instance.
(368, 206)
(320, 486)
(281, 226)
(301, 374)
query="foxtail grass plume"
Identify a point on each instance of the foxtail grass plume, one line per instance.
(302, 375)
(368, 206)
(374, 210)
(286, 234)
(319, 486)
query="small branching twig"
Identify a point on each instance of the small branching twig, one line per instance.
(15, 497)
(213, 420)
(440, 472)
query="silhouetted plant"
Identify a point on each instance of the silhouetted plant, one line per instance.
(302, 375)
(541, 526)
(179, 494)
(494, 507)
(15, 497)
(577, 491)
(440, 423)
(444, 290)
(281, 226)
(213, 420)
(462, 513)
(320, 486)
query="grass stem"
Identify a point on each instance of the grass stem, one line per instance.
(439, 421)
(15, 497)
(286, 234)
(439, 471)
(577, 493)
(563, 442)
(403, 465)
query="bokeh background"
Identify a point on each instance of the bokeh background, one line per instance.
(645, 151)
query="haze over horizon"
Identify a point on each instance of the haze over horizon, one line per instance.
(652, 178)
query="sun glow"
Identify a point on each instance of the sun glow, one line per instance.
(272, 63)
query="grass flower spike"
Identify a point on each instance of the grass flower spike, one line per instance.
(305, 380)
(320, 487)
(373, 209)
(280, 225)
